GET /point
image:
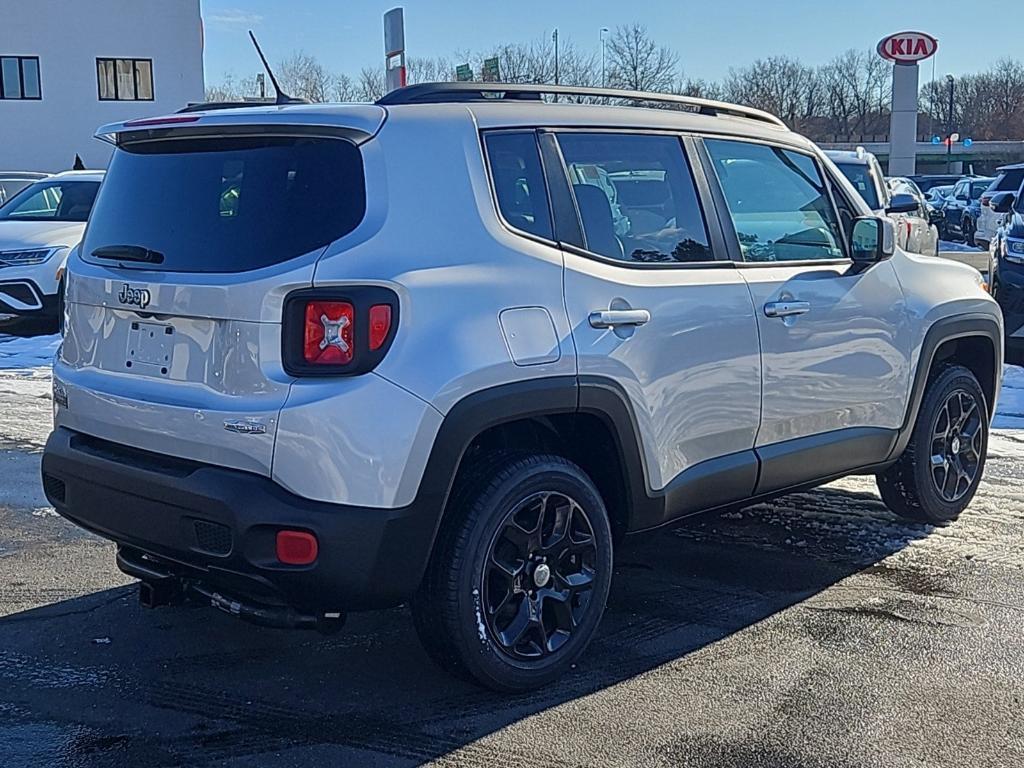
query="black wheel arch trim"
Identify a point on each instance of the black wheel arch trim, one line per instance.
(946, 329)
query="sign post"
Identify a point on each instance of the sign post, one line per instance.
(394, 49)
(905, 50)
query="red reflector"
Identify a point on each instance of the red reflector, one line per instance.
(162, 121)
(296, 547)
(328, 338)
(380, 324)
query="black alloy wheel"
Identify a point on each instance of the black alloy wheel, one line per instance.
(539, 576)
(956, 445)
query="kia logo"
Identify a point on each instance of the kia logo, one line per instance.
(134, 297)
(908, 47)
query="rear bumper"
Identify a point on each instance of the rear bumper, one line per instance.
(217, 527)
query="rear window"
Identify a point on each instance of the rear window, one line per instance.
(859, 175)
(227, 205)
(1008, 181)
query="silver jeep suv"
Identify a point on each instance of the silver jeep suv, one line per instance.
(451, 347)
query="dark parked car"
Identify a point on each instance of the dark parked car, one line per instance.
(1006, 269)
(962, 208)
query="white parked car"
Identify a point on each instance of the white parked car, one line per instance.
(1009, 178)
(905, 205)
(12, 182)
(38, 228)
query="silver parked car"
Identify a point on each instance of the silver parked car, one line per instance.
(296, 385)
(915, 229)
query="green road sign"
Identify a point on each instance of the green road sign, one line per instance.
(463, 72)
(490, 70)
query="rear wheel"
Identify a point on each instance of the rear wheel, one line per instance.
(519, 577)
(939, 472)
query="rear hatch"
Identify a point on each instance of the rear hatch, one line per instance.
(174, 303)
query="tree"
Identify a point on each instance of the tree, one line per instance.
(636, 63)
(779, 84)
(856, 89)
(371, 84)
(304, 77)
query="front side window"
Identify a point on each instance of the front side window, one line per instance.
(19, 78)
(778, 202)
(52, 201)
(125, 79)
(636, 197)
(519, 181)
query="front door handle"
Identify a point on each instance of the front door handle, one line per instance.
(615, 318)
(786, 308)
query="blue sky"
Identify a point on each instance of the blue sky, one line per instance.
(709, 36)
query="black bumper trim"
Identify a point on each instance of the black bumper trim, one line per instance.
(369, 557)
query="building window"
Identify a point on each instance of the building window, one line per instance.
(125, 79)
(19, 77)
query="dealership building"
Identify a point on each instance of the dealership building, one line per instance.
(68, 67)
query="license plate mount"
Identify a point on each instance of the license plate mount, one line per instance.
(150, 348)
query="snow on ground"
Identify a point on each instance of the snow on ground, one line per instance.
(953, 246)
(27, 353)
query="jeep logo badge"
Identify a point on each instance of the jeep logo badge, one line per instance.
(138, 297)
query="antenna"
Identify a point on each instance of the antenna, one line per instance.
(280, 96)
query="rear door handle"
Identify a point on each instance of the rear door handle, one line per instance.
(786, 308)
(614, 318)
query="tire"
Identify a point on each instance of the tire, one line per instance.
(968, 230)
(61, 288)
(918, 489)
(490, 521)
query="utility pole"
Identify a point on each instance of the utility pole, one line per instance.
(949, 126)
(604, 46)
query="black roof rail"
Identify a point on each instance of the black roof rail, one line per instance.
(440, 93)
(209, 106)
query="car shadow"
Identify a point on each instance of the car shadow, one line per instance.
(98, 680)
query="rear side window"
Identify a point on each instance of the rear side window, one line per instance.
(519, 181)
(636, 197)
(778, 202)
(52, 201)
(228, 204)
(1009, 181)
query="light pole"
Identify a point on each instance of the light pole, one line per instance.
(949, 125)
(554, 37)
(604, 32)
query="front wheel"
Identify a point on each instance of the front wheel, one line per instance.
(968, 230)
(519, 577)
(940, 469)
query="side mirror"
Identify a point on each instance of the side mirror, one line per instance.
(1003, 202)
(902, 203)
(873, 240)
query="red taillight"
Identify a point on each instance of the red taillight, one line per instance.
(296, 547)
(328, 336)
(985, 200)
(380, 325)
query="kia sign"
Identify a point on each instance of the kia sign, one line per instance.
(908, 47)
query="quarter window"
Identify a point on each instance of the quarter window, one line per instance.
(125, 79)
(19, 78)
(519, 181)
(636, 197)
(778, 202)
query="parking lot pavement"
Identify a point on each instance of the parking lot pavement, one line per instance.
(817, 630)
(965, 254)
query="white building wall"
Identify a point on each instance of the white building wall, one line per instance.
(68, 36)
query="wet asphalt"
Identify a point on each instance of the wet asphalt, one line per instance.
(814, 631)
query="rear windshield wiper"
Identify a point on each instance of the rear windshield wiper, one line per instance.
(128, 253)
